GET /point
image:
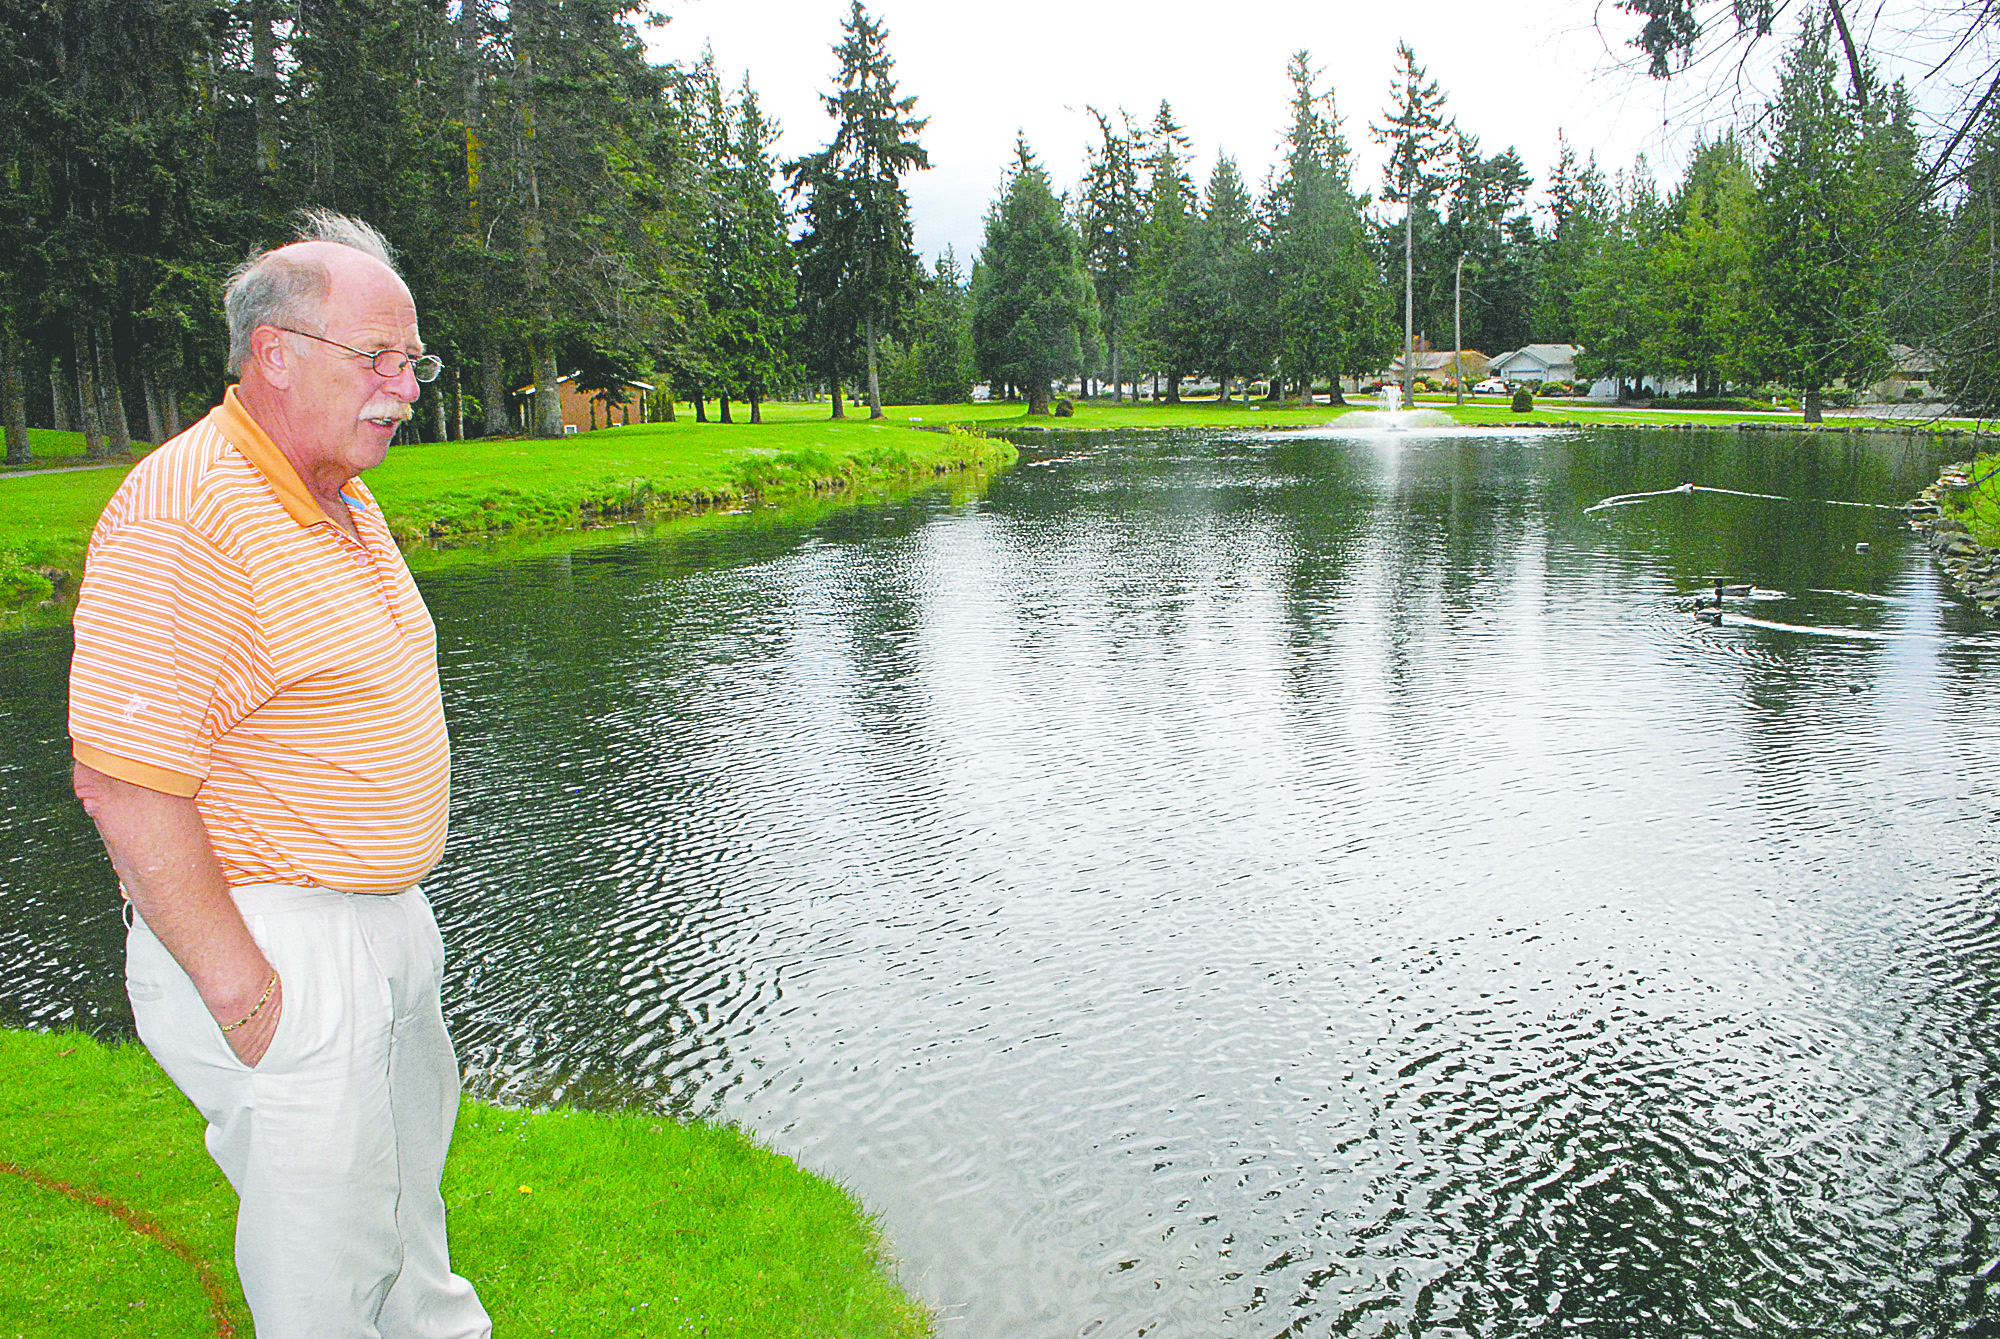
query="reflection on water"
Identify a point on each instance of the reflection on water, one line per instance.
(1271, 884)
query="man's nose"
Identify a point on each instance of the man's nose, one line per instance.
(404, 385)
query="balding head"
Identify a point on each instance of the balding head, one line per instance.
(288, 285)
(307, 370)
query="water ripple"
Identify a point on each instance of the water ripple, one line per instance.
(1250, 885)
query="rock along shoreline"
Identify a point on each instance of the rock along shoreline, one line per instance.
(1973, 567)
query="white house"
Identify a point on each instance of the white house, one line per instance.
(1909, 375)
(1537, 363)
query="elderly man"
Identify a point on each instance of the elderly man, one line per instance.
(258, 736)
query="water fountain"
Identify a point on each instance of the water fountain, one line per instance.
(1392, 416)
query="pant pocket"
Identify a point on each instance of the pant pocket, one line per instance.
(296, 993)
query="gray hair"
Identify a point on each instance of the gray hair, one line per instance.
(271, 288)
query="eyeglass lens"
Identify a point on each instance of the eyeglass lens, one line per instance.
(390, 363)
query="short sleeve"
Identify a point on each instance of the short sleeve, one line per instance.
(166, 655)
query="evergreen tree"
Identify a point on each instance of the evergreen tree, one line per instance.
(110, 231)
(1579, 220)
(364, 123)
(522, 159)
(937, 365)
(1486, 225)
(1816, 248)
(1033, 309)
(1418, 136)
(745, 314)
(1911, 226)
(858, 271)
(23, 56)
(1697, 323)
(1328, 305)
(1165, 324)
(1112, 215)
(1614, 307)
(1968, 327)
(482, 268)
(1222, 284)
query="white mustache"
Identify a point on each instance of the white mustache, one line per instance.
(400, 413)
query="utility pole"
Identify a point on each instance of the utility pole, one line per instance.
(1458, 329)
(1409, 300)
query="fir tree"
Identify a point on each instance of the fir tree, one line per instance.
(745, 313)
(1696, 326)
(1167, 332)
(1033, 309)
(1112, 215)
(1221, 283)
(1579, 217)
(858, 272)
(1969, 319)
(936, 366)
(1329, 306)
(1614, 305)
(1816, 245)
(1485, 224)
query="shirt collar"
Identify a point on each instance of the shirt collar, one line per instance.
(248, 436)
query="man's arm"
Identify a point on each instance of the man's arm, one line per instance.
(161, 851)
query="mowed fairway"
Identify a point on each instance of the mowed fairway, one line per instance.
(471, 490)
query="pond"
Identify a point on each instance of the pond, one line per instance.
(1254, 884)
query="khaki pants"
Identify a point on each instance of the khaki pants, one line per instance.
(336, 1141)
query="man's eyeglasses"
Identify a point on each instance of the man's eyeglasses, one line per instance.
(386, 362)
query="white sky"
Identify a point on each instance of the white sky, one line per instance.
(981, 72)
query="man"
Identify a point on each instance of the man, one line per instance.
(258, 736)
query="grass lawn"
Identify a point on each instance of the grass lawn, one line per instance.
(1979, 507)
(569, 1223)
(454, 492)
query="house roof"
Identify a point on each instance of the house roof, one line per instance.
(1904, 359)
(529, 389)
(1548, 355)
(1438, 360)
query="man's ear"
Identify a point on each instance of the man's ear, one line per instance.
(272, 356)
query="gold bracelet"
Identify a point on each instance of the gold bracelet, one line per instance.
(269, 986)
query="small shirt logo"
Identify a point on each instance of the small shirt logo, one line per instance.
(135, 707)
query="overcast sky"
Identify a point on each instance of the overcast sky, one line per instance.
(980, 73)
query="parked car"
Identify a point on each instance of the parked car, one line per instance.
(1490, 386)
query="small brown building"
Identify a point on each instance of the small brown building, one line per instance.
(1437, 365)
(583, 411)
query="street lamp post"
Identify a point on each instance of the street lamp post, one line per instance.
(1457, 329)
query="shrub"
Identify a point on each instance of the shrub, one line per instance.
(1524, 400)
(1065, 408)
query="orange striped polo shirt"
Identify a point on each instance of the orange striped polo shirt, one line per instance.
(234, 645)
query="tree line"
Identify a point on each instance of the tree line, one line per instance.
(1792, 254)
(561, 204)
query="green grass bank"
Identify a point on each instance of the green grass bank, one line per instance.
(1979, 505)
(454, 493)
(114, 1223)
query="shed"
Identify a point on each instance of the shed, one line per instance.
(581, 409)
